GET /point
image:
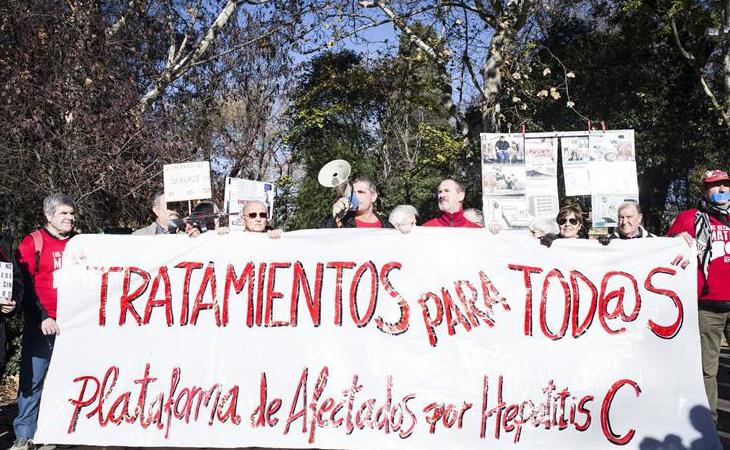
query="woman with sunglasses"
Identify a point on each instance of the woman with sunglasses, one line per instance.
(570, 222)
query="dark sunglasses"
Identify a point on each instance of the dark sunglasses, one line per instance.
(262, 215)
(572, 220)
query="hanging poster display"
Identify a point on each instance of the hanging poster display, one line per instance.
(519, 178)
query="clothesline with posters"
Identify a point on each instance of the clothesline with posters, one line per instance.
(519, 174)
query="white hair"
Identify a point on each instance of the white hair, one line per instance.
(478, 216)
(53, 201)
(545, 225)
(399, 213)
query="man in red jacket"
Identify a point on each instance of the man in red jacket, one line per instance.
(708, 227)
(451, 203)
(39, 256)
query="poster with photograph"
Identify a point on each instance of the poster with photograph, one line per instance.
(610, 146)
(502, 149)
(503, 180)
(599, 163)
(605, 208)
(541, 157)
(576, 174)
(509, 211)
(239, 191)
(574, 150)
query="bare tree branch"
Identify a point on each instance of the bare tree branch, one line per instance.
(112, 29)
(179, 65)
(723, 111)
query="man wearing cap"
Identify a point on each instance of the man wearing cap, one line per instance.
(451, 195)
(708, 227)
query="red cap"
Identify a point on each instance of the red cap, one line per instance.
(712, 176)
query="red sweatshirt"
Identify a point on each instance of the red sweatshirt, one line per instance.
(40, 280)
(456, 219)
(719, 267)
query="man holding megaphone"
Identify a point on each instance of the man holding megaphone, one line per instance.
(357, 209)
(355, 203)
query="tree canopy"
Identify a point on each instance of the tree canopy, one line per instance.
(95, 97)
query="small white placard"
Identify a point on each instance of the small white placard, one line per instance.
(6, 280)
(187, 181)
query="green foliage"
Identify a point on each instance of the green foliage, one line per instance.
(630, 75)
(14, 336)
(384, 118)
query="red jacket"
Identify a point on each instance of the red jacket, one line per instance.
(41, 296)
(456, 219)
(719, 267)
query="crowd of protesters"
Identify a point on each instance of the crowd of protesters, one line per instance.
(39, 255)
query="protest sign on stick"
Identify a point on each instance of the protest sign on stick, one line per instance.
(187, 181)
(362, 339)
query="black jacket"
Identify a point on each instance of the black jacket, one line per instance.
(349, 221)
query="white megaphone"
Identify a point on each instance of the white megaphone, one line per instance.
(334, 174)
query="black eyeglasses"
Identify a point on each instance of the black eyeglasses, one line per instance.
(262, 215)
(572, 220)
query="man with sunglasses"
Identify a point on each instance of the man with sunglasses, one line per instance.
(256, 219)
(708, 227)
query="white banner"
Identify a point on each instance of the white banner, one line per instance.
(369, 339)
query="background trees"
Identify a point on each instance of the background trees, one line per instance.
(96, 97)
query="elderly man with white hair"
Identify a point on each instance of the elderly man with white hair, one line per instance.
(39, 256)
(403, 218)
(629, 222)
(544, 226)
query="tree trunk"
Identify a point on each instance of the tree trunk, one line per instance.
(508, 25)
